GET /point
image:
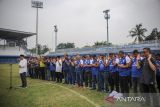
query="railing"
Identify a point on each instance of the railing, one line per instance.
(154, 45)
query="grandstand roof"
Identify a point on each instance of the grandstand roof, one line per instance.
(14, 34)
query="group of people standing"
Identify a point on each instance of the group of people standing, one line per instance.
(105, 73)
(120, 72)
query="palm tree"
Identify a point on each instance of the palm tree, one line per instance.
(138, 33)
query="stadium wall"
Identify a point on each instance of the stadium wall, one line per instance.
(8, 59)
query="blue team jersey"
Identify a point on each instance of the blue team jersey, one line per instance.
(78, 67)
(94, 69)
(135, 72)
(116, 67)
(106, 69)
(52, 66)
(112, 67)
(101, 66)
(65, 65)
(123, 71)
(87, 62)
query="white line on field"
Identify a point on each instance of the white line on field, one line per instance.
(78, 94)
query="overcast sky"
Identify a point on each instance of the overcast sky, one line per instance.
(80, 21)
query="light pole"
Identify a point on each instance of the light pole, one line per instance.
(37, 5)
(55, 30)
(107, 17)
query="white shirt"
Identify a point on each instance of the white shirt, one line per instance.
(91, 61)
(59, 66)
(23, 66)
(127, 59)
(106, 61)
(81, 61)
(117, 60)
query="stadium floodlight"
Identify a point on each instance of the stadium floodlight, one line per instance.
(55, 30)
(107, 17)
(37, 5)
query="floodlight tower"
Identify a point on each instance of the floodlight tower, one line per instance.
(37, 5)
(55, 30)
(107, 17)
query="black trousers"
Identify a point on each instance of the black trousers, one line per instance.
(88, 78)
(150, 93)
(59, 76)
(30, 71)
(37, 76)
(114, 81)
(124, 85)
(136, 84)
(65, 74)
(53, 75)
(158, 82)
(42, 71)
(23, 79)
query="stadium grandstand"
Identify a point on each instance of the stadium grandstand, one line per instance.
(12, 44)
(153, 45)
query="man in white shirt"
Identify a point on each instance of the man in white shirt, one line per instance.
(59, 69)
(23, 70)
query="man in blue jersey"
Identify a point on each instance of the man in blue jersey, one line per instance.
(114, 75)
(52, 68)
(101, 73)
(65, 66)
(79, 71)
(106, 74)
(87, 72)
(94, 68)
(72, 73)
(135, 72)
(124, 73)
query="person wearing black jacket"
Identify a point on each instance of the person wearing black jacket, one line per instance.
(148, 77)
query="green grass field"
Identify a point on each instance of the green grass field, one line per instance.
(48, 94)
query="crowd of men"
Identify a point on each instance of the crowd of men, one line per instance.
(105, 73)
(139, 71)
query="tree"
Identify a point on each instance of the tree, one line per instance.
(154, 35)
(65, 45)
(33, 50)
(44, 49)
(137, 33)
(102, 43)
(41, 49)
(86, 46)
